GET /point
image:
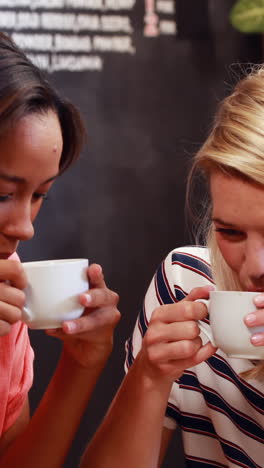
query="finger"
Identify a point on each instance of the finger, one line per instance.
(9, 313)
(97, 319)
(257, 339)
(199, 293)
(259, 300)
(55, 332)
(99, 297)
(12, 271)
(255, 319)
(180, 312)
(204, 353)
(95, 276)
(176, 351)
(175, 331)
(11, 295)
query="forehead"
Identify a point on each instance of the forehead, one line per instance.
(35, 141)
(235, 200)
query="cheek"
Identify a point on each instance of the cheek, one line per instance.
(4, 214)
(232, 254)
(35, 207)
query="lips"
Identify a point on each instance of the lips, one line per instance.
(256, 290)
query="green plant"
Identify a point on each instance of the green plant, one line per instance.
(248, 16)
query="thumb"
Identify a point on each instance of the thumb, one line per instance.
(199, 293)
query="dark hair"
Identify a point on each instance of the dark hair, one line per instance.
(25, 90)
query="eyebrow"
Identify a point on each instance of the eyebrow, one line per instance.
(21, 180)
(220, 221)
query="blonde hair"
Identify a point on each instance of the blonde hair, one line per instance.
(234, 146)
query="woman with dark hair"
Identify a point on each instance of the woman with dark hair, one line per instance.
(41, 135)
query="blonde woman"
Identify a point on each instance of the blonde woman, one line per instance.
(174, 377)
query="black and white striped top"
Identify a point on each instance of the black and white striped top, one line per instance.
(221, 414)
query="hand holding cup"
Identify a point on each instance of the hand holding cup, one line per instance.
(172, 342)
(53, 290)
(58, 300)
(229, 330)
(89, 338)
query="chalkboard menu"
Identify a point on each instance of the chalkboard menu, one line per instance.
(75, 35)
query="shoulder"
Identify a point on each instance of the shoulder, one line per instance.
(190, 253)
(188, 267)
(194, 258)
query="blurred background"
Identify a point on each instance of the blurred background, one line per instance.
(147, 77)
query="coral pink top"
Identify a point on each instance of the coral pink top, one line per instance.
(16, 372)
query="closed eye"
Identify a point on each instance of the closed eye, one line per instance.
(38, 196)
(4, 198)
(35, 197)
(230, 233)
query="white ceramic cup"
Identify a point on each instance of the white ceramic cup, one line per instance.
(228, 331)
(52, 294)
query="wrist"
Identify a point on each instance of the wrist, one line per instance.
(152, 379)
(91, 361)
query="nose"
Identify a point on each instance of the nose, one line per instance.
(254, 261)
(19, 223)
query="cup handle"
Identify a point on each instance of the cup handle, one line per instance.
(26, 315)
(201, 324)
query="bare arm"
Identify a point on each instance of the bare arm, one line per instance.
(132, 432)
(12, 433)
(165, 441)
(21, 425)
